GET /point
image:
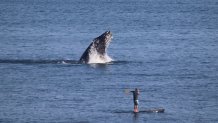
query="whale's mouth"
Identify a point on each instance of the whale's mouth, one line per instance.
(102, 42)
(108, 38)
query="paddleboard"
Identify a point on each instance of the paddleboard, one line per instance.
(155, 110)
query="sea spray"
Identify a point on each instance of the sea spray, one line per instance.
(95, 57)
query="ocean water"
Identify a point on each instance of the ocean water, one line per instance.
(166, 48)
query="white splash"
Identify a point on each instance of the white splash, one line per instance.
(95, 57)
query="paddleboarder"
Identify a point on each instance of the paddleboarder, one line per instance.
(135, 99)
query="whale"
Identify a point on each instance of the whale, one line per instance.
(96, 52)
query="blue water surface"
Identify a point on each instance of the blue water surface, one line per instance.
(166, 48)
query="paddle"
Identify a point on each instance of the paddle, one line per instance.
(127, 91)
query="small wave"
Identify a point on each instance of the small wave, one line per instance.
(59, 61)
(31, 61)
(125, 62)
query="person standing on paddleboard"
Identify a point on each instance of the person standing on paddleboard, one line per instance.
(135, 99)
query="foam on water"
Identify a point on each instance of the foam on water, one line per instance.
(95, 57)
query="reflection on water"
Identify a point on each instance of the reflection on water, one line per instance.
(135, 117)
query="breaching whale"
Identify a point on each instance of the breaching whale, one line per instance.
(97, 50)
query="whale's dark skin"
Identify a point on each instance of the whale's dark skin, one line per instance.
(99, 44)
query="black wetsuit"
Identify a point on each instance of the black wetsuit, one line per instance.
(135, 97)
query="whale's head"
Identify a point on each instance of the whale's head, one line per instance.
(102, 42)
(97, 50)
